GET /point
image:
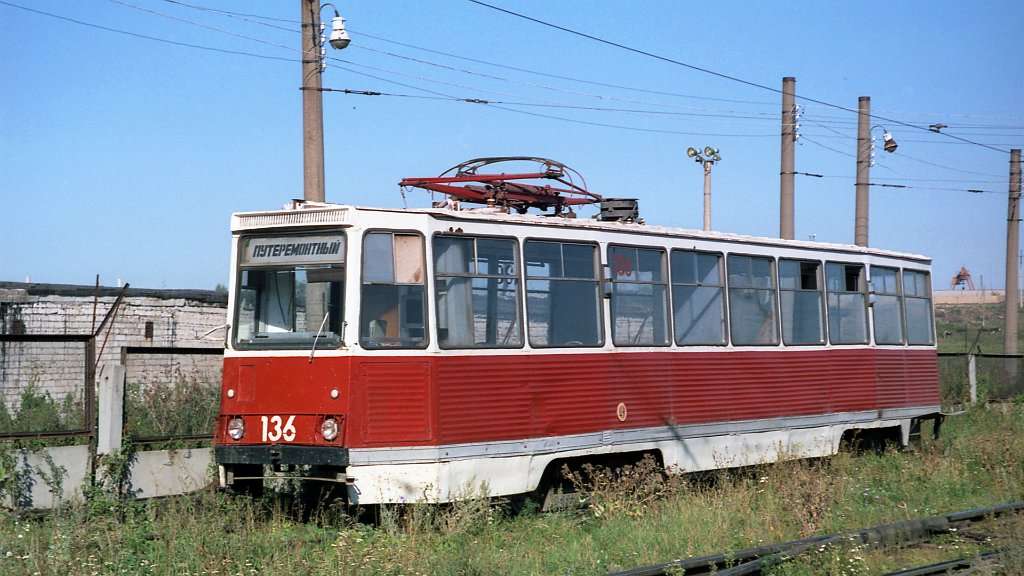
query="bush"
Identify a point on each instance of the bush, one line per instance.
(38, 411)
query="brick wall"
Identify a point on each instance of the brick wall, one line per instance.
(176, 318)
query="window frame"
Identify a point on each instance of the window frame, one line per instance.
(899, 298)
(775, 288)
(723, 287)
(666, 282)
(234, 289)
(868, 320)
(598, 279)
(427, 325)
(931, 304)
(520, 296)
(823, 303)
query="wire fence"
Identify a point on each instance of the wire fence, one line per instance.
(46, 385)
(171, 394)
(966, 378)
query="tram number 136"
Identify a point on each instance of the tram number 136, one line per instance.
(275, 428)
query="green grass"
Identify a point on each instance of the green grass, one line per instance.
(959, 326)
(640, 519)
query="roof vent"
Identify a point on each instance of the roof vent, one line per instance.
(619, 210)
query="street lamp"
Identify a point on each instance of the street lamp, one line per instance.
(339, 36)
(707, 158)
(888, 142)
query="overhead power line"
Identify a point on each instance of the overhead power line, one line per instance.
(148, 37)
(563, 76)
(231, 13)
(475, 60)
(830, 120)
(498, 104)
(825, 146)
(715, 72)
(901, 186)
(503, 105)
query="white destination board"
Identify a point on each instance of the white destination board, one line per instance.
(277, 250)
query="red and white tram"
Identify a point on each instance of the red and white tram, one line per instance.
(420, 353)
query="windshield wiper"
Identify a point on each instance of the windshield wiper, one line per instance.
(317, 337)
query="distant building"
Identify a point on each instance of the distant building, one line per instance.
(146, 317)
(953, 297)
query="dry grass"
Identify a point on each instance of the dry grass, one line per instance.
(634, 517)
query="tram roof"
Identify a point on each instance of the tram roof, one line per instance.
(322, 214)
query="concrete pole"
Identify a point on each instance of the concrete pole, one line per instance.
(312, 104)
(1012, 249)
(707, 194)
(860, 223)
(787, 176)
(972, 376)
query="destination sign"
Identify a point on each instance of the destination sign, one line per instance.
(278, 250)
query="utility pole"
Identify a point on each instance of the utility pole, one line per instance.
(312, 104)
(1012, 249)
(707, 159)
(707, 194)
(860, 225)
(787, 173)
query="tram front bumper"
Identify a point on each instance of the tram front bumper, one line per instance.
(281, 454)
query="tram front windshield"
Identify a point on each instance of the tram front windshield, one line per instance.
(290, 306)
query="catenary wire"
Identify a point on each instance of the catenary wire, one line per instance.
(246, 16)
(718, 74)
(148, 37)
(230, 13)
(425, 79)
(502, 105)
(278, 58)
(485, 62)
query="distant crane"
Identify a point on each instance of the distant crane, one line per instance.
(962, 278)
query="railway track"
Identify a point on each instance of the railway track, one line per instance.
(752, 561)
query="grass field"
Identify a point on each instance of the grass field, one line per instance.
(639, 519)
(959, 327)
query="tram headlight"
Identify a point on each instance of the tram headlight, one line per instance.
(329, 429)
(236, 428)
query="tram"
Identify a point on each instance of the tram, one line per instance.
(415, 354)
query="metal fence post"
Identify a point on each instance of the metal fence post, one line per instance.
(972, 376)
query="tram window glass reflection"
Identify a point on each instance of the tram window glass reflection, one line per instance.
(393, 287)
(698, 298)
(753, 317)
(800, 290)
(847, 303)
(639, 301)
(290, 291)
(888, 307)
(918, 300)
(563, 303)
(476, 282)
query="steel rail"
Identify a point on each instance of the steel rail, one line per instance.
(949, 566)
(753, 560)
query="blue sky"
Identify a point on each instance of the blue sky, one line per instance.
(125, 157)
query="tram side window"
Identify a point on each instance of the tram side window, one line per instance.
(392, 307)
(639, 296)
(753, 318)
(847, 303)
(697, 298)
(800, 293)
(477, 292)
(888, 306)
(563, 304)
(917, 296)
